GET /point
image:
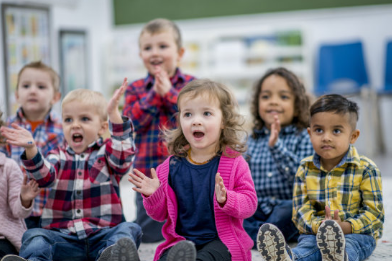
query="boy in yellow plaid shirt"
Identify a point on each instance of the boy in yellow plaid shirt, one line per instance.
(337, 203)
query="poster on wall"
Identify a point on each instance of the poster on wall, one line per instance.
(73, 60)
(26, 38)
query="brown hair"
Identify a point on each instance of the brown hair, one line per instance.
(161, 25)
(301, 103)
(41, 66)
(232, 121)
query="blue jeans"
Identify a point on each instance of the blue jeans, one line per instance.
(40, 244)
(280, 217)
(358, 247)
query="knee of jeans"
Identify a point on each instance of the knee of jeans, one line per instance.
(33, 233)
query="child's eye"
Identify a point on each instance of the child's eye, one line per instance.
(41, 87)
(264, 97)
(337, 131)
(285, 97)
(318, 130)
(25, 86)
(163, 46)
(147, 48)
(207, 113)
(187, 114)
(67, 120)
(85, 118)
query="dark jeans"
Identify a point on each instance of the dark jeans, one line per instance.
(212, 251)
(39, 244)
(33, 222)
(6, 248)
(152, 230)
(280, 217)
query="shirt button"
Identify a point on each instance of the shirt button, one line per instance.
(80, 173)
(99, 161)
(286, 169)
(329, 203)
(78, 211)
(270, 174)
(79, 192)
(82, 156)
(329, 177)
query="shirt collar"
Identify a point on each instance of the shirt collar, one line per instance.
(351, 157)
(177, 77)
(291, 129)
(95, 144)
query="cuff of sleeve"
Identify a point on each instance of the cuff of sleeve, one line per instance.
(171, 96)
(315, 226)
(32, 164)
(121, 130)
(356, 225)
(155, 198)
(230, 203)
(152, 99)
(278, 147)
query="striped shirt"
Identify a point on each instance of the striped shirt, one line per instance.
(47, 136)
(353, 187)
(150, 113)
(85, 187)
(273, 168)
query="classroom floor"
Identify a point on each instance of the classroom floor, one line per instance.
(384, 245)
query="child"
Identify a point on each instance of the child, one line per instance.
(16, 203)
(278, 143)
(83, 214)
(38, 89)
(205, 189)
(152, 104)
(338, 205)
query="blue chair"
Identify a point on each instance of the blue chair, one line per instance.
(387, 88)
(341, 69)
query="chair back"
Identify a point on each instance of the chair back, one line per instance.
(341, 68)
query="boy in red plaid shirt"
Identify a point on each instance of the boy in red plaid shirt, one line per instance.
(152, 103)
(83, 218)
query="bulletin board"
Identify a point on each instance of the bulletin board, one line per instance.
(26, 38)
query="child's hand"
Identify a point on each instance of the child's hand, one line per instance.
(346, 226)
(21, 137)
(143, 184)
(162, 81)
(220, 190)
(275, 129)
(113, 112)
(28, 191)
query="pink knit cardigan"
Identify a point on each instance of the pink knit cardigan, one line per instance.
(241, 203)
(12, 213)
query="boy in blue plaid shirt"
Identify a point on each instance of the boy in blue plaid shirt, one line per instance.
(278, 143)
(338, 206)
(37, 90)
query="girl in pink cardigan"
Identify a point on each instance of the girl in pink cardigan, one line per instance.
(16, 203)
(204, 190)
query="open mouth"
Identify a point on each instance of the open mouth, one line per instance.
(198, 134)
(156, 63)
(77, 138)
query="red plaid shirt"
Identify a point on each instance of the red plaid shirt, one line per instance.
(85, 194)
(150, 113)
(47, 136)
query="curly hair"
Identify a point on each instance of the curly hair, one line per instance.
(301, 103)
(233, 135)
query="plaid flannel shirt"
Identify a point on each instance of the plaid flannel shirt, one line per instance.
(353, 187)
(151, 113)
(273, 168)
(85, 187)
(47, 136)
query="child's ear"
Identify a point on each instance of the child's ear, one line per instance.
(354, 136)
(56, 97)
(181, 53)
(104, 128)
(309, 132)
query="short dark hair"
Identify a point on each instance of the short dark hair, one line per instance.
(337, 104)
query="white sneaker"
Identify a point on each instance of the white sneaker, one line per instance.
(331, 241)
(272, 245)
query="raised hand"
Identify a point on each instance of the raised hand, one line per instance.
(275, 129)
(113, 112)
(28, 191)
(21, 137)
(143, 184)
(162, 81)
(220, 190)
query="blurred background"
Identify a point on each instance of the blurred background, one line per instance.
(338, 46)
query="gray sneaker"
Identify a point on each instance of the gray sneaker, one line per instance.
(182, 251)
(13, 258)
(106, 254)
(331, 241)
(271, 244)
(124, 250)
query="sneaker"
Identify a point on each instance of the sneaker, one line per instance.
(182, 251)
(272, 245)
(13, 258)
(124, 250)
(331, 241)
(106, 254)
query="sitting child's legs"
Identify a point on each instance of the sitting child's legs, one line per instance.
(359, 246)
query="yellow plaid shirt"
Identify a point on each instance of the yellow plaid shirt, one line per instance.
(353, 187)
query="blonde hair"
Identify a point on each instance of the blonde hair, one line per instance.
(43, 67)
(89, 97)
(232, 121)
(162, 25)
